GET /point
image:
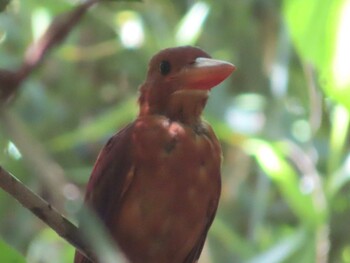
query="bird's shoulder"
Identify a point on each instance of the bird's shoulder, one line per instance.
(110, 170)
(159, 126)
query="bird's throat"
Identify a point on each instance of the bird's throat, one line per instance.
(187, 106)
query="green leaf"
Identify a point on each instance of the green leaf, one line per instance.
(309, 25)
(338, 173)
(10, 255)
(191, 25)
(339, 132)
(319, 30)
(283, 174)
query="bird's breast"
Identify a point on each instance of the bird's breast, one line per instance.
(173, 191)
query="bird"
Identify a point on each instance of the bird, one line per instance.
(156, 183)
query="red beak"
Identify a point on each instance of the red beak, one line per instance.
(205, 73)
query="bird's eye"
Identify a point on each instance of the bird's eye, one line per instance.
(164, 67)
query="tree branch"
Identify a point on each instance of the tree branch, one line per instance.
(43, 210)
(59, 29)
(91, 238)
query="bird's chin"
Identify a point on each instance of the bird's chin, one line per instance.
(193, 93)
(186, 105)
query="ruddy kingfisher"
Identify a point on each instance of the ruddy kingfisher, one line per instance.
(156, 183)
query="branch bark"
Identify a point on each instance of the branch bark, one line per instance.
(43, 210)
(59, 29)
(91, 238)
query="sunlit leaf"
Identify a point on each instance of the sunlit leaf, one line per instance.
(339, 178)
(341, 59)
(338, 84)
(311, 29)
(339, 132)
(281, 172)
(40, 21)
(192, 23)
(338, 173)
(319, 30)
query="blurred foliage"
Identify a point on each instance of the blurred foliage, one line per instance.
(283, 117)
(9, 254)
(3, 4)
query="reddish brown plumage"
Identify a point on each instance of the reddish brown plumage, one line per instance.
(156, 183)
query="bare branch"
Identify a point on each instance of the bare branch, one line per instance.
(43, 210)
(54, 35)
(91, 239)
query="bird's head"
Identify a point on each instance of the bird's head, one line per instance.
(178, 82)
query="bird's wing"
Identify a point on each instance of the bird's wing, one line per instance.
(196, 251)
(107, 182)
